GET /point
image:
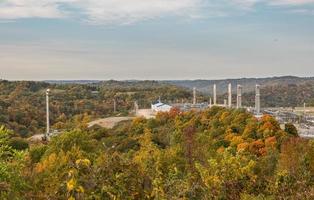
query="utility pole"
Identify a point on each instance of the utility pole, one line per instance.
(114, 105)
(47, 114)
(215, 94)
(194, 96)
(135, 107)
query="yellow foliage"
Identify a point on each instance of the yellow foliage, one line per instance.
(236, 140)
(229, 136)
(46, 163)
(84, 162)
(224, 116)
(71, 184)
(71, 198)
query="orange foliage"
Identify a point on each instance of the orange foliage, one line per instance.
(220, 150)
(271, 142)
(257, 147)
(243, 146)
(174, 112)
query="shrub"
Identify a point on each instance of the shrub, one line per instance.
(18, 143)
(37, 152)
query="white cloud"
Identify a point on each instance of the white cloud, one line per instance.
(97, 11)
(126, 11)
(15, 9)
(290, 2)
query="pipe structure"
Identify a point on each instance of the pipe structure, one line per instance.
(47, 114)
(215, 94)
(239, 96)
(194, 96)
(229, 95)
(257, 99)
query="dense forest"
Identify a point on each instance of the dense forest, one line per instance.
(214, 154)
(22, 103)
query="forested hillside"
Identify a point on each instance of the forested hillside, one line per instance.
(22, 103)
(248, 84)
(214, 154)
(275, 92)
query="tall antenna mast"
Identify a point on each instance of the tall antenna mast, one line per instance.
(47, 114)
(194, 96)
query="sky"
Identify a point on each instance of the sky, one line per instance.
(155, 39)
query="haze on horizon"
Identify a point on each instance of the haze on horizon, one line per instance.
(159, 39)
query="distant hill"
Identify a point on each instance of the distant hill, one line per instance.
(248, 84)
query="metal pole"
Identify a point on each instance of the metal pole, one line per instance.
(114, 105)
(47, 113)
(194, 96)
(215, 95)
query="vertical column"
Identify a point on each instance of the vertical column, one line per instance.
(114, 105)
(210, 102)
(239, 96)
(215, 94)
(229, 95)
(257, 99)
(47, 114)
(194, 96)
(135, 107)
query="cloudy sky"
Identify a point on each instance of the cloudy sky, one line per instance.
(155, 39)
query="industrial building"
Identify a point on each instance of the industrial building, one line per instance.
(160, 107)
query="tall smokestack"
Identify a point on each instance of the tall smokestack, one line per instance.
(257, 99)
(229, 95)
(215, 94)
(239, 96)
(194, 96)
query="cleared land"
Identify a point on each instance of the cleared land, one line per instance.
(109, 122)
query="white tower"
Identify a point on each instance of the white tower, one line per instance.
(194, 96)
(215, 94)
(210, 102)
(257, 99)
(229, 95)
(239, 96)
(47, 114)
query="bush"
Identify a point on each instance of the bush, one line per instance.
(37, 152)
(291, 129)
(18, 143)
